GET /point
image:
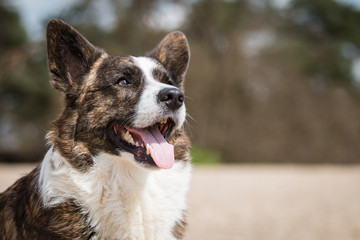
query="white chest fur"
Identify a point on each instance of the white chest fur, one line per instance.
(123, 201)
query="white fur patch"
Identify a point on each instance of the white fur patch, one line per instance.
(148, 110)
(122, 199)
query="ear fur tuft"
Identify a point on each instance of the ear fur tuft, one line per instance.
(70, 55)
(173, 53)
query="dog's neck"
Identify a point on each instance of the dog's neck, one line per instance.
(62, 137)
(124, 176)
(120, 198)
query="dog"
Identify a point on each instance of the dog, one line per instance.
(118, 164)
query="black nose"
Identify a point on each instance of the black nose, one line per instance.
(172, 97)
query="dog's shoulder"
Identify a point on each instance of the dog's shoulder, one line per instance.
(23, 216)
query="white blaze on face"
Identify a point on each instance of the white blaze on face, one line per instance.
(149, 110)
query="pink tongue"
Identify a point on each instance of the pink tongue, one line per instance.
(160, 150)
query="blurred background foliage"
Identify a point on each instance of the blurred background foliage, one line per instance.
(268, 82)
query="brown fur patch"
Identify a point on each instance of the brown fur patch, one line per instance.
(180, 227)
(22, 215)
(181, 145)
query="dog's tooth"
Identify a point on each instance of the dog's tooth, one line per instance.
(137, 144)
(123, 134)
(147, 149)
(142, 145)
(131, 140)
(127, 136)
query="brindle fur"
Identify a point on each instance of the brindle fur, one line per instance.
(86, 75)
(22, 215)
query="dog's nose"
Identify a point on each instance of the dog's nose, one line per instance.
(172, 97)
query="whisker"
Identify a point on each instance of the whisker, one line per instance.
(188, 115)
(189, 128)
(128, 121)
(190, 98)
(189, 124)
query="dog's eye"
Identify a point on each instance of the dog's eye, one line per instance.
(123, 82)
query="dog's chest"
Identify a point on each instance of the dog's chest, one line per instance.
(121, 202)
(149, 213)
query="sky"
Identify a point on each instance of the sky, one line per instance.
(33, 12)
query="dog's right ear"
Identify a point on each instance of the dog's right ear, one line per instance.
(70, 55)
(173, 53)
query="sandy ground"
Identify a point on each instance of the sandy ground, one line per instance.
(265, 202)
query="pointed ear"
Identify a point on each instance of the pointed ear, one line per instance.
(173, 53)
(70, 55)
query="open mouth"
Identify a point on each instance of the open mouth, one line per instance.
(149, 145)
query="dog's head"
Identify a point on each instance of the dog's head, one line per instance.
(132, 107)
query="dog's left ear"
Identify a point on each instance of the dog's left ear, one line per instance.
(70, 56)
(173, 53)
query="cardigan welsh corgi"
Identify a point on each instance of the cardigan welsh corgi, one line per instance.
(118, 166)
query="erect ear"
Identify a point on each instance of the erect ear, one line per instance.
(70, 55)
(174, 54)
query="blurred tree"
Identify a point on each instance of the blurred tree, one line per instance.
(130, 32)
(327, 28)
(264, 80)
(13, 34)
(24, 91)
